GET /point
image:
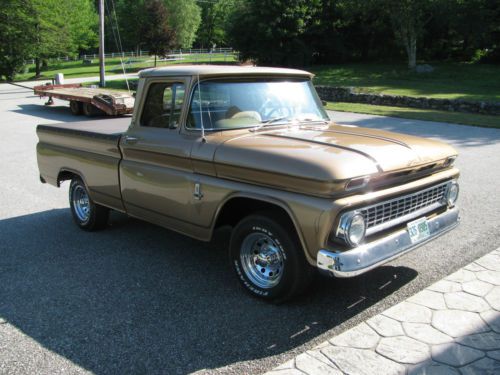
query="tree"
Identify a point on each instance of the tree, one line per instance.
(83, 24)
(61, 28)
(184, 19)
(156, 32)
(214, 19)
(274, 32)
(409, 18)
(15, 42)
(129, 27)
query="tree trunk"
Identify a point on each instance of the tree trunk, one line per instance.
(412, 52)
(155, 60)
(38, 64)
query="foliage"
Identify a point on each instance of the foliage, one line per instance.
(157, 35)
(15, 43)
(274, 32)
(184, 19)
(61, 28)
(130, 15)
(214, 22)
(331, 31)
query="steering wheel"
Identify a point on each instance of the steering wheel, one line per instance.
(268, 111)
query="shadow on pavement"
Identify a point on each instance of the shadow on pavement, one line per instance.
(136, 298)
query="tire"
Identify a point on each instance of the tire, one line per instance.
(91, 110)
(87, 215)
(76, 107)
(268, 259)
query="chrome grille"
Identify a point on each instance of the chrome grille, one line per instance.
(394, 211)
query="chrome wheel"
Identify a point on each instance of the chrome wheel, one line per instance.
(81, 204)
(262, 260)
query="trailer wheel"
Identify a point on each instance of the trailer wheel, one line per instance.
(76, 107)
(88, 215)
(91, 110)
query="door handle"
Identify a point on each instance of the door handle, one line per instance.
(131, 140)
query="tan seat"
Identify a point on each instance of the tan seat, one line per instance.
(248, 114)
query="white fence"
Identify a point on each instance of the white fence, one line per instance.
(140, 53)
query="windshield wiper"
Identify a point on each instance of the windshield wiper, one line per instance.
(271, 121)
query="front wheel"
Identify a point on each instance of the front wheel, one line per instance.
(268, 258)
(87, 214)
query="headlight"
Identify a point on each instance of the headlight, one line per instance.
(352, 228)
(452, 193)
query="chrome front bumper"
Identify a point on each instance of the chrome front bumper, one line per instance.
(371, 255)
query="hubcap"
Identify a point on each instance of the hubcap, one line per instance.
(81, 204)
(262, 260)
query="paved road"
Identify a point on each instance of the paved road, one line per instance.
(140, 299)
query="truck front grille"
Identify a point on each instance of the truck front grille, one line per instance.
(388, 213)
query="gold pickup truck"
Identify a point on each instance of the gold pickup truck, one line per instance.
(253, 148)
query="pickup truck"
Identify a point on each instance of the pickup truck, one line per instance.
(253, 148)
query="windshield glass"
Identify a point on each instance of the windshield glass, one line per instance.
(230, 105)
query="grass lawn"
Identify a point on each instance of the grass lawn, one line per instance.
(116, 84)
(113, 66)
(419, 114)
(448, 81)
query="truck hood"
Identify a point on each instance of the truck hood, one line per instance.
(303, 156)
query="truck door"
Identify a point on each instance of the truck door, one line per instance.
(156, 173)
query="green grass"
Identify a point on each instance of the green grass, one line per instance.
(419, 114)
(448, 81)
(117, 84)
(78, 69)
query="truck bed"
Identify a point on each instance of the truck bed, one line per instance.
(109, 128)
(90, 148)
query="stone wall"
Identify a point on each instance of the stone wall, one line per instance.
(347, 94)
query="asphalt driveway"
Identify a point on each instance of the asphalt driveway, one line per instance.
(137, 299)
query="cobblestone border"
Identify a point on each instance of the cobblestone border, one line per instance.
(348, 94)
(450, 328)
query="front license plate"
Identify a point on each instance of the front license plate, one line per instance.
(418, 230)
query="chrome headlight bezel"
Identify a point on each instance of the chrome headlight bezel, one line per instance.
(452, 193)
(345, 228)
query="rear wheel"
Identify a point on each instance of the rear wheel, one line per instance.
(268, 259)
(87, 214)
(76, 107)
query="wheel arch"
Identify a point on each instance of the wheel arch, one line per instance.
(66, 174)
(240, 205)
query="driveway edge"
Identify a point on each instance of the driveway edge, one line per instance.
(451, 327)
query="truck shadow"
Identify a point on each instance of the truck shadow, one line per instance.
(136, 298)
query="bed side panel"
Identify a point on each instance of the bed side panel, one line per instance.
(95, 157)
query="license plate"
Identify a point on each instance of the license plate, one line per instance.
(418, 230)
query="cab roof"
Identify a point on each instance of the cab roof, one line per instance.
(221, 70)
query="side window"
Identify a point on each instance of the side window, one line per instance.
(163, 105)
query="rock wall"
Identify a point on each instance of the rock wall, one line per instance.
(347, 94)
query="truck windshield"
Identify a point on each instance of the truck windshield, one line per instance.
(236, 104)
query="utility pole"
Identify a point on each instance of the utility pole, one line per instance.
(101, 44)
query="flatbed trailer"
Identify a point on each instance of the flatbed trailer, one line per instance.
(87, 100)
